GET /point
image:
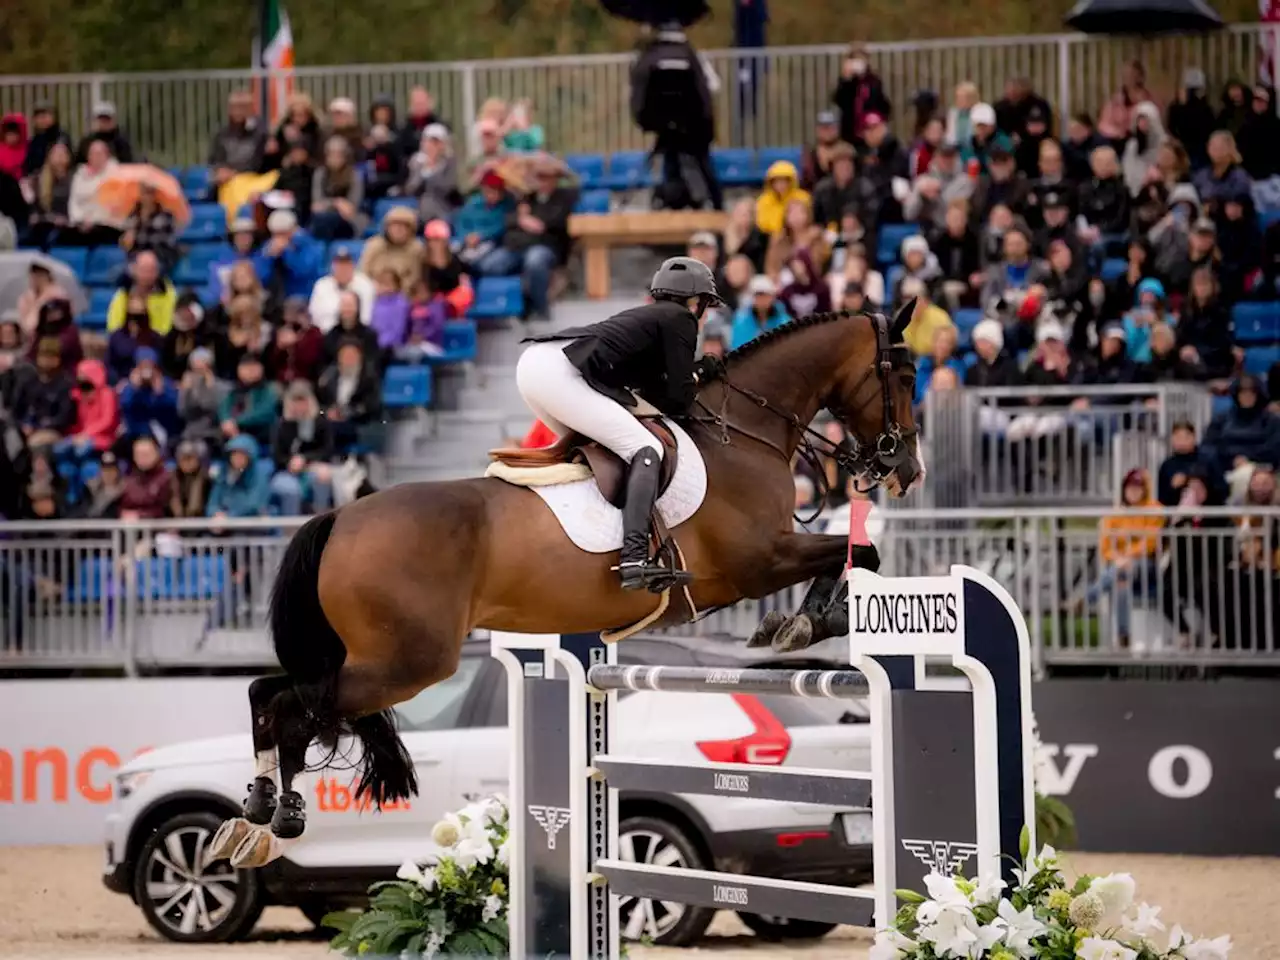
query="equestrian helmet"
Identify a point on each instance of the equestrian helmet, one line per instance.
(682, 278)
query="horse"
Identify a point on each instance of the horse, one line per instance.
(373, 601)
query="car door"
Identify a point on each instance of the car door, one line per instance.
(483, 749)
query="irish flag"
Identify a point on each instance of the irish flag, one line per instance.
(276, 44)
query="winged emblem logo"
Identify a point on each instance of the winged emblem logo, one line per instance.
(941, 856)
(551, 819)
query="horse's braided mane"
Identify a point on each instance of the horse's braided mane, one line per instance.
(785, 330)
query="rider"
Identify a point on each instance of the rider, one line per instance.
(584, 379)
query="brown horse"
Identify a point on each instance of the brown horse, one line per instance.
(373, 601)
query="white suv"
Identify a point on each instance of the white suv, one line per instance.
(170, 801)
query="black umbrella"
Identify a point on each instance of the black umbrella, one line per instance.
(658, 12)
(1144, 17)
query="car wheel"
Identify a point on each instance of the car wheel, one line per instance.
(663, 844)
(183, 899)
(784, 928)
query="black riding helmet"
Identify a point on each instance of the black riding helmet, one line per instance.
(682, 278)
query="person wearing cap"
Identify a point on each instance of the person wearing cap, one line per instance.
(343, 276)
(91, 224)
(302, 447)
(289, 263)
(837, 191)
(482, 221)
(1035, 136)
(337, 193)
(1056, 226)
(1114, 364)
(433, 175)
(993, 367)
(860, 92)
(104, 128)
(421, 115)
(588, 379)
(239, 146)
(46, 131)
(984, 137)
(344, 123)
(817, 159)
(781, 186)
(148, 399)
(758, 312)
(444, 273)
(1191, 118)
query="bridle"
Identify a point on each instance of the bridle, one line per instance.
(875, 461)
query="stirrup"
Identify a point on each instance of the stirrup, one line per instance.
(647, 575)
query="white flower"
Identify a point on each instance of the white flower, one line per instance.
(410, 871)
(954, 931)
(891, 945)
(1115, 890)
(945, 890)
(493, 907)
(1020, 928)
(987, 889)
(504, 852)
(1096, 948)
(1139, 925)
(1208, 949)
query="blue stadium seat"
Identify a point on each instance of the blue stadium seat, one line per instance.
(1222, 404)
(768, 156)
(587, 167)
(628, 169)
(460, 342)
(406, 386)
(891, 279)
(386, 203)
(1258, 360)
(76, 258)
(1256, 322)
(735, 167)
(497, 298)
(106, 264)
(193, 269)
(889, 244)
(1112, 268)
(592, 201)
(95, 318)
(355, 246)
(1266, 218)
(208, 222)
(965, 321)
(195, 183)
(200, 577)
(90, 581)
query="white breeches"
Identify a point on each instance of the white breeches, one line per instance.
(555, 391)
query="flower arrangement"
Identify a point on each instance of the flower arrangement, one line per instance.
(1040, 918)
(456, 907)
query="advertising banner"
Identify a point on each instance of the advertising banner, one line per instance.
(61, 742)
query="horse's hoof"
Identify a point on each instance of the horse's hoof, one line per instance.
(795, 634)
(768, 627)
(258, 849)
(260, 804)
(290, 818)
(229, 836)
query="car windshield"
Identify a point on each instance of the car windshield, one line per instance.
(439, 707)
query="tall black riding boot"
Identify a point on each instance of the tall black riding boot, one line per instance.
(642, 490)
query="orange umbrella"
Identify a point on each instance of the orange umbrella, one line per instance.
(121, 189)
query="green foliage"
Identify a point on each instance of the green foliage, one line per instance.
(1055, 823)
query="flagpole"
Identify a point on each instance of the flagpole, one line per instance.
(261, 83)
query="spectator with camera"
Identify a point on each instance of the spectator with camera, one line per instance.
(148, 400)
(433, 175)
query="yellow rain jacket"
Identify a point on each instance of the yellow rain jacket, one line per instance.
(1126, 535)
(771, 206)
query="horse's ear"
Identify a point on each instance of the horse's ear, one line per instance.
(901, 320)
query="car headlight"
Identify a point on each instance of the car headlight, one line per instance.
(127, 783)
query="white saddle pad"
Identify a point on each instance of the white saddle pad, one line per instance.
(595, 525)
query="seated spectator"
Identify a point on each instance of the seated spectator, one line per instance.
(940, 356)
(44, 409)
(1191, 118)
(1170, 238)
(918, 262)
(1202, 253)
(148, 486)
(243, 330)
(1235, 107)
(1148, 208)
(1067, 282)
(444, 273)
(1034, 136)
(816, 165)
(959, 256)
(836, 192)
(105, 130)
(123, 344)
(1224, 178)
(51, 203)
(738, 271)
(481, 224)
(994, 367)
(390, 318)
(302, 449)
(1056, 227)
(1172, 167)
(1143, 146)
(241, 489)
(1127, 545)
(519, 133)
(1123, 291)
(396, 248)
(189, 332)
(55, 323)
(239, 146)
(1077, 148)
(386, 167)
(1104, 199)
(991, 235)
(1050, 177)
(251, 405)
(1008, 282)
(288, 264)
(959, 123)
(300, 126)
(343, 276)
(488, 150)
(349, 327)
(1051, 364)
(15, 369)
(200, 398)
(47, 133)
(983, 138)
(148, 400)
(337, 194)
(858, 95)
(1247, 433)
(536, 239)
(882, 169)
(1167, 364)
(1019, 103)
(1148, 310)
(103, 489)
(422, 114)
(1114, 364)
(91, 224)
(242, 236)
(97, 414)
(1001, 184)
(1178, 467)
(857, 272)
(433, 175)
(189, 481)
(1258, 136)
(743, 238)
(934, 192)
(41, 288)
(297, 350)
(150, 227)
(1205, 335)
(781, 188)
(758, 313)
(925, 147)
(805, 293)
(798, 232)
(427, 316)
(351, 393)
(344, 123)
(144, 282)
(927, 319)
(297, 177)
(1240, 243)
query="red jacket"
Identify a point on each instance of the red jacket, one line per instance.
(146, 494)
(97, 410)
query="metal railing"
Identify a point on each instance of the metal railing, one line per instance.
(766, 98)
(167, 594)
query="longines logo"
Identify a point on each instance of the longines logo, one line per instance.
(551, 819)
(941, 856)
(904, 613)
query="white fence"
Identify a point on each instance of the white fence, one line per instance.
(767, 97)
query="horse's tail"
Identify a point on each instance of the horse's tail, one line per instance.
(312, 654)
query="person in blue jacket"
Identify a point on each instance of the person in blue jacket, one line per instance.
(242, 487)
(481, 224)
(291, 261)
(149, 401)
(241, 236)
(759, 311)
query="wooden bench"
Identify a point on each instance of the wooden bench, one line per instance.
(598, 233)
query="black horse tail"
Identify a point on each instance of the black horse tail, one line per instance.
(312, 654)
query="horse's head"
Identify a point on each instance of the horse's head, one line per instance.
(873, 397)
